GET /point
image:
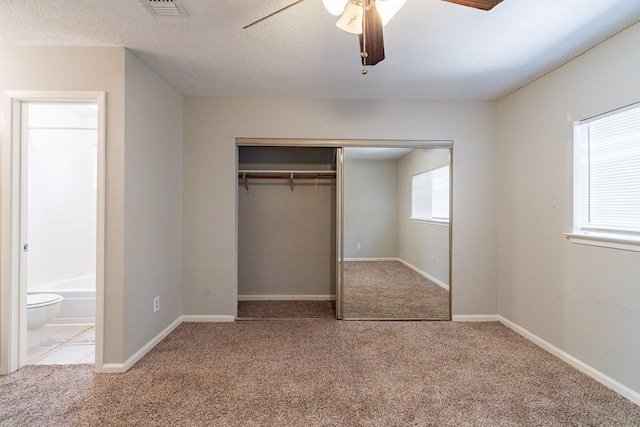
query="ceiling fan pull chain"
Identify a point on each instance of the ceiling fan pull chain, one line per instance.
(364, 54)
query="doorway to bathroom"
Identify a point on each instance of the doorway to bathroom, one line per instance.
(59, 195)
(53, 202)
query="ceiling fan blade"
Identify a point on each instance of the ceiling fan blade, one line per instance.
(271, 14)
(478, 4)
(371, 40)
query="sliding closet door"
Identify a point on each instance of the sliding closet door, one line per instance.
(396, 230)
(339, 232)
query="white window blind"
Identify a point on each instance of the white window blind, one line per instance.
(420, 196)
(440, 193)
(607, 174)
(430, 195)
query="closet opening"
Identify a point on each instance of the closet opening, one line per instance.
(286, 232)
(345, 229)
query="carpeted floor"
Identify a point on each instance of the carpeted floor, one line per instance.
(322, 372)
(391, 290)
(290, 309)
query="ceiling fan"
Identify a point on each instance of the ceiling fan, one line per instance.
(366, 18)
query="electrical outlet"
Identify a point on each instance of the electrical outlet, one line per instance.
(358, 246)
(156, 304)
(433, 259)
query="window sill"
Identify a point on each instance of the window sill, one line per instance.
(612, 241)
(431, 221)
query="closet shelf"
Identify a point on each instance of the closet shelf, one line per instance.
(286, 174)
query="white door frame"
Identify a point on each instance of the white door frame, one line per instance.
(13, 304)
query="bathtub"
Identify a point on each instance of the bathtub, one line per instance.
(79, 303)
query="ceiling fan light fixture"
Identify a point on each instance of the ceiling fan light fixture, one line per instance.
(351, 19)
(388, 9)
(335, 7)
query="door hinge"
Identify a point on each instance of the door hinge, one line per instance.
(25, 247)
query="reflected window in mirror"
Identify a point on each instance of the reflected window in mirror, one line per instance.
(430, 195)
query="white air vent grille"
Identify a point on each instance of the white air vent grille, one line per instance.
(166, 7)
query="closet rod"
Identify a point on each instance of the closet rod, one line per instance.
(288, 172)
(293, 175)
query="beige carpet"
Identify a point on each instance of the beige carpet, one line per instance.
(290, 309)
(391, 290)
(322, 373)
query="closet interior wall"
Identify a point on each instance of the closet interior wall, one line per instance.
(286, 229)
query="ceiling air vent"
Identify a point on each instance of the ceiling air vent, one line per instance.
(165, 7)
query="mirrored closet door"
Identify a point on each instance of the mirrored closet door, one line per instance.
(396, 204)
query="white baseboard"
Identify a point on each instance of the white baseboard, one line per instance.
(425, 274)
(207, 318)
(286, 297)
(116, 368)
(111, 368)
(371, 259)
(609, 382)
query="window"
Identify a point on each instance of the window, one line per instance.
(430, 195)
(607, 180)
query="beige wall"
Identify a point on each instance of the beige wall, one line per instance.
(584, 300)
(286, 237)
(212, 124)
(153, 201)
(370, 208)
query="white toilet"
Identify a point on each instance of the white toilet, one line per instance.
(41, 309)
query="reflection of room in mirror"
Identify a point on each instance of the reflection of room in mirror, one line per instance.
(396, 259)
(391, 290)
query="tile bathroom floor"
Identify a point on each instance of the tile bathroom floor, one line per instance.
(65, 345)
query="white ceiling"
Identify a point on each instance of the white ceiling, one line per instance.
(434, 49)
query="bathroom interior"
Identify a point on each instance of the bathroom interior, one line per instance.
(58, 262)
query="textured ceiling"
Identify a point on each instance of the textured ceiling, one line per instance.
(434, 49)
